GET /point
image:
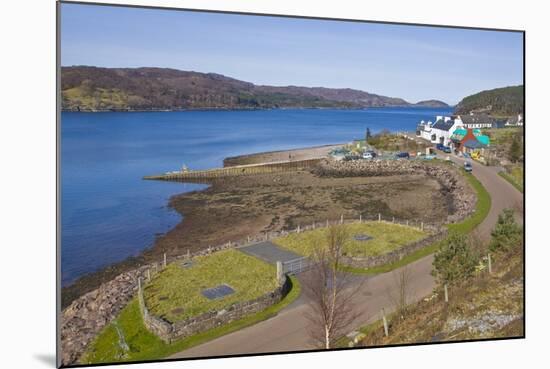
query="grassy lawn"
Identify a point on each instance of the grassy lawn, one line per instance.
(385, 238)
(514, 175)
(483, 205)
(144, 345)
(176, 292)
(501, 136)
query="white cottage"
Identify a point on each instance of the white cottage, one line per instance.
(439, 132)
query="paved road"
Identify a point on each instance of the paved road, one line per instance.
(288, 331)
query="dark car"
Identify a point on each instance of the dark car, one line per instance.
(403, 155)
(351, 157)
(440, 146)
(447, 149)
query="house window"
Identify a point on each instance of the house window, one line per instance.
(433, 137)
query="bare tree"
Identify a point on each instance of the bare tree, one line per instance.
(400, 292)
(329, 291)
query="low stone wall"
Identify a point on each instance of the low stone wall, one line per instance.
(395, 255)
(170, 332)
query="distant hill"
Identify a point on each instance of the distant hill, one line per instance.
(432, 104)
(87, 88)
(506, 101)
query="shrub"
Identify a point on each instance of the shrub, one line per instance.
(455, 260)
(507, 233)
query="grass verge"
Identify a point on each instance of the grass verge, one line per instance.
(144, 345)
(483, 205)
(512, 181)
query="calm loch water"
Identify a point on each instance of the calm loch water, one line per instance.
(109, 213)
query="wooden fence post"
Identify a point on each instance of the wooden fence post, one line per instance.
(379, 217)
(446, 292)
(422, 226)
(360, 218)
(489, 263)
(327, 223)
(385, 323)
(148, 275)
(165, 260)
(279, 272)
(342, 219)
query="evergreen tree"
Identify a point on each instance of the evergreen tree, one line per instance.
(507, 233)
(515, 150)
(455, 260)
(367, 135)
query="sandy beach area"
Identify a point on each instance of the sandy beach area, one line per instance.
(281, 155)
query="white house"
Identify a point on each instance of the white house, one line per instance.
(476, 120)
(440, 131)
(515, 121)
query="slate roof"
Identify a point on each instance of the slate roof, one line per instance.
(473, 144)
(477, 118)
(442, 125)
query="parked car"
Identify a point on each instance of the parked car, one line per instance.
(447, 150)
(426, 157)
(467, 166)
(440, 146)
(351, 157)
(369, 154)
(403, 155)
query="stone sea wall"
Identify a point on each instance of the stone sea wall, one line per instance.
(85, 317)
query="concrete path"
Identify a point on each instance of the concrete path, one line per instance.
(269, 252)
(288, 331)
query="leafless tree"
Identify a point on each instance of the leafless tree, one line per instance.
(329, 291)
(400, 292)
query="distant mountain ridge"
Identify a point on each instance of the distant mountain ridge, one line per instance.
(505, 101)
(86, 88)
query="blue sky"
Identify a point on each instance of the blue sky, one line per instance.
(411, 62)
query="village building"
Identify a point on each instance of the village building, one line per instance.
(439, 132)
(468, 140)
(515, 121)
(475, 120)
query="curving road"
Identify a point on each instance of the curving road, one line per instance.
(288, 331)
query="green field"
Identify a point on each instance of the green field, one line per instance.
(386, 237)
(144, 345)
(175, 293)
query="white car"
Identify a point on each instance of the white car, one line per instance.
(368, 155)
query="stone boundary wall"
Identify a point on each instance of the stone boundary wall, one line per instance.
(395, 255)
(170, 332)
